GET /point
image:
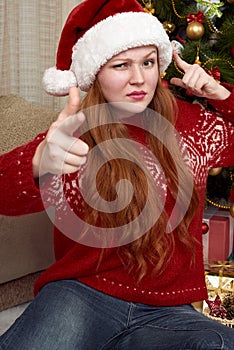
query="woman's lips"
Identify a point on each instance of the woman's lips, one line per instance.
(137, 95)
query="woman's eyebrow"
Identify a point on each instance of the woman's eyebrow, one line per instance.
(153, 51)
(127, 58)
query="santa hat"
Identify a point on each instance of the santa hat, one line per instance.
(97, 30)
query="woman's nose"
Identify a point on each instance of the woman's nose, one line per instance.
(137, 75)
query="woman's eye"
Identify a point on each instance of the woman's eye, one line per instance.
(120, 65)
(148, 63)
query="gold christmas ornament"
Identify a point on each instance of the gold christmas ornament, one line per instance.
(215, 171)
(232, 210)
(148, 6)
(169, 27)
(195, 30)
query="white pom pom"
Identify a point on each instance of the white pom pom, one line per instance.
(57, 82)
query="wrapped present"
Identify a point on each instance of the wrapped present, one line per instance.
(220, 268)
(219, 285)
(218, 240)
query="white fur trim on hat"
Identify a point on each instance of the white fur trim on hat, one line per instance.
(116, 34)
(57, 82)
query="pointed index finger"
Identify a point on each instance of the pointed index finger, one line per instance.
(184, 66)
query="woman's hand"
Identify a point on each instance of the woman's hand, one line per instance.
(61, 152)
(198, 82)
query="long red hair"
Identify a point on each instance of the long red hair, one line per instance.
(155, 247)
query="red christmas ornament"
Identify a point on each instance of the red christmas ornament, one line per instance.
(205, 228)
(231, 197)
(165, 83)
(215, 73)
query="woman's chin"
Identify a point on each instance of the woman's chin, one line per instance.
(126, 109)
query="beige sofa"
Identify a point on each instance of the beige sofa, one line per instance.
(26, 242)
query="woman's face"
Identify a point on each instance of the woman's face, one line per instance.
(130, 77)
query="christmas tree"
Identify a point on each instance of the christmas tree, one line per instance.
(202, 32)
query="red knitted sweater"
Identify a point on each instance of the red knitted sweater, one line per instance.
(208, 137)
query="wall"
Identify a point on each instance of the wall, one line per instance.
(29, 35)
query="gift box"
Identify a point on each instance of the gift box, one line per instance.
(220, 268)
(218, 241)
(219, 285)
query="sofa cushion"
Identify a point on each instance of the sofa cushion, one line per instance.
(27, 241)
(21, 121)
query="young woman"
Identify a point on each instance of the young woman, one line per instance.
(125, 170)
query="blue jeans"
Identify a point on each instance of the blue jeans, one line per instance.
(68, 315)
